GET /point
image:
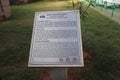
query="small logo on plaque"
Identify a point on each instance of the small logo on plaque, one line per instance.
(42, 16)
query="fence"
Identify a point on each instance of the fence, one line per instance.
(111, 10)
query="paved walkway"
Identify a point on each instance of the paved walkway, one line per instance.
(108, 12)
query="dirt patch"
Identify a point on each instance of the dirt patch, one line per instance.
(47, 76)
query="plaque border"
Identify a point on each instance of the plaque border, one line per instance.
(79, 42)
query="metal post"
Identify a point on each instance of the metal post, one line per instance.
(101, 6)
(95, 3)
(113, 9)
(58, 73)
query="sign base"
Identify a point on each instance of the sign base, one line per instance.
(58, 73)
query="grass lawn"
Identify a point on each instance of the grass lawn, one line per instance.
(102, 37)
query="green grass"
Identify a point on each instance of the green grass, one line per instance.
(102, 37)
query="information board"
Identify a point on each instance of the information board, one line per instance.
(56, 40)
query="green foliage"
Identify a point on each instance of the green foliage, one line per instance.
(15, 73)
(102, 36)
(87, 39)
(83, 10)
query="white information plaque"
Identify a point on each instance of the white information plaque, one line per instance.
(56, 40)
